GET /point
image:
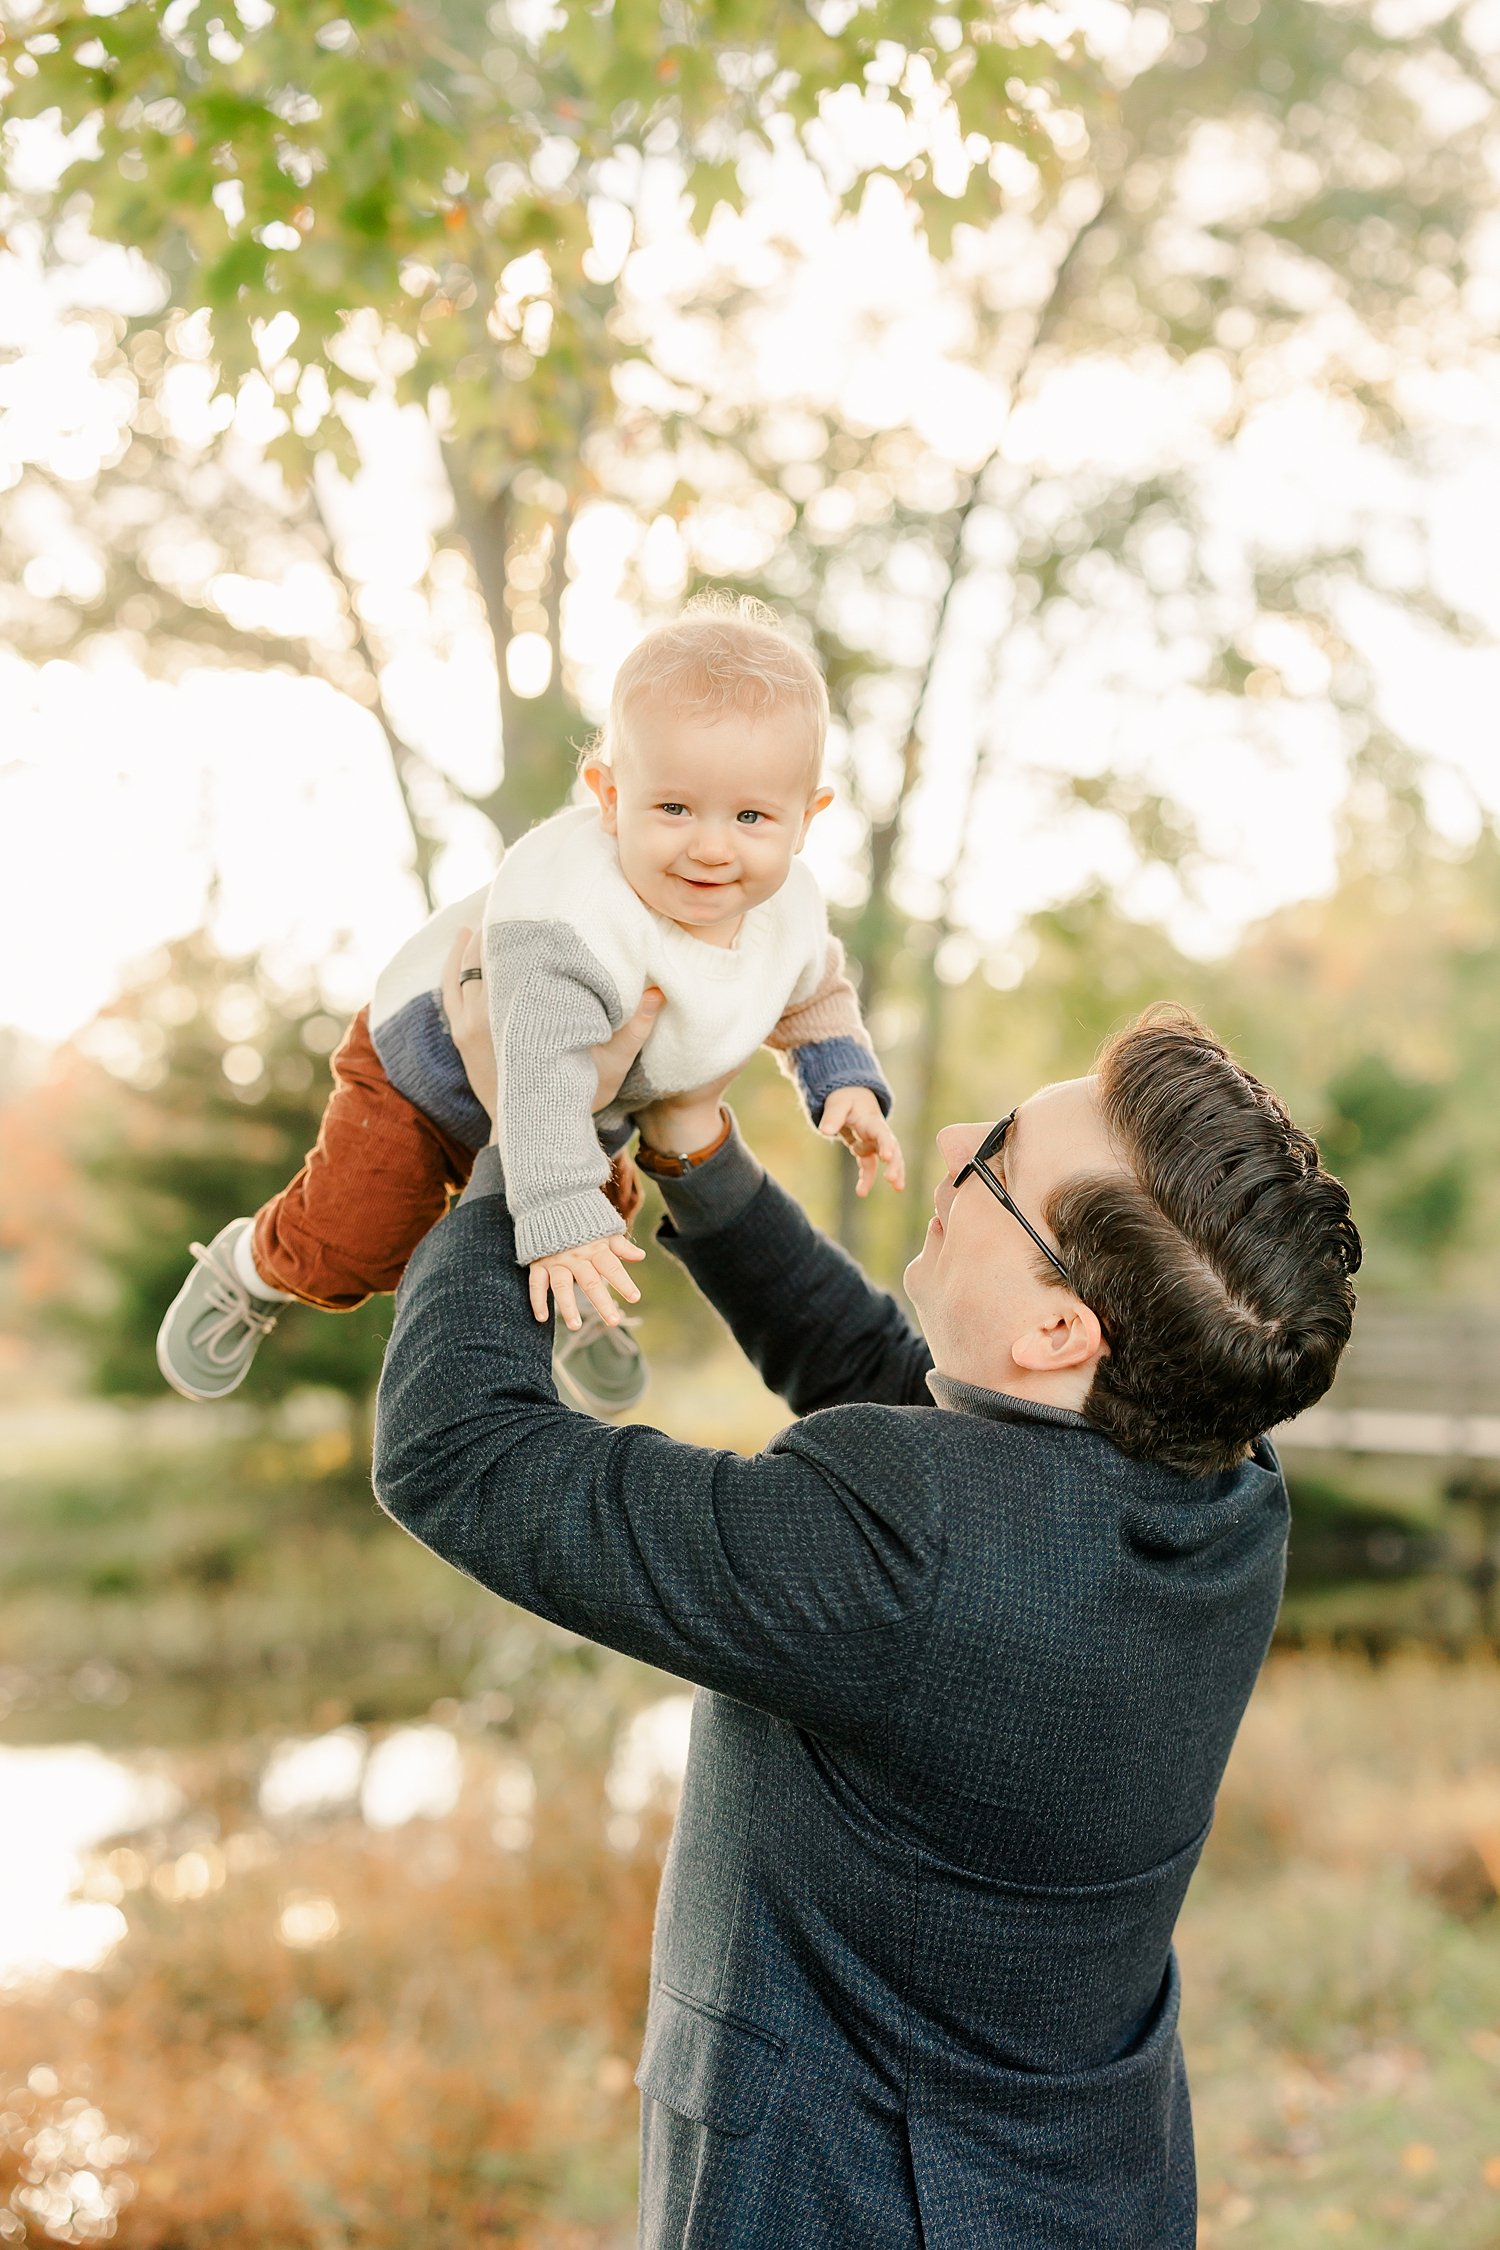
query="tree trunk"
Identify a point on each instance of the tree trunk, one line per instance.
(406, 764)
(536, 732)
(875, 933)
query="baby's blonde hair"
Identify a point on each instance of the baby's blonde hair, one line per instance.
(726, 652)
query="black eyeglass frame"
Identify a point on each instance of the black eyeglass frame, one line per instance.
(979, 1162)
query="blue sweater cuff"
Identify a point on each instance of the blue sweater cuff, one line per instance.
(823, 1065)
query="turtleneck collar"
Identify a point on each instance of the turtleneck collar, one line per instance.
(999, 1406)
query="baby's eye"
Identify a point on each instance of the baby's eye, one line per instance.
(750, 816)
(671, 808)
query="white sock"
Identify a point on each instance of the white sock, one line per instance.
(250, 1273)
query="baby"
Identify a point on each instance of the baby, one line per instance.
(682, 874)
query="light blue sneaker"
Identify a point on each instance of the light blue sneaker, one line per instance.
(214, 1324)
(602, 1370)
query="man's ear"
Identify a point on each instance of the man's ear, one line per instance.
(600, 778)
(1071, 1338)
(819, 801)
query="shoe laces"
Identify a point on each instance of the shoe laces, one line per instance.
(595, 1326)
(229, 1300)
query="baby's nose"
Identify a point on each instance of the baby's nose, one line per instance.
(711, 845)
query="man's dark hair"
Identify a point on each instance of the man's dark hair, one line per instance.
(1220, 1272)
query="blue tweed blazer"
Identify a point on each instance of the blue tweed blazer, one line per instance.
(969, 1681)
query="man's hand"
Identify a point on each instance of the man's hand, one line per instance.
(614, 1058)
(469, 1017)
(593, 1267)
(469, 1022)
(852, 1115)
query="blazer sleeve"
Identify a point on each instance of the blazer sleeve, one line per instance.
(794, 1580)
(820, 1333)
(550, 1003)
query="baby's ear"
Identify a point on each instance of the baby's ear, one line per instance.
(819, 801)
(600, 778)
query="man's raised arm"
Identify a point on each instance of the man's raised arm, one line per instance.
(798, 1306)
(795, 1580)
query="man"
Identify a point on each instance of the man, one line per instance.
(975, 1636)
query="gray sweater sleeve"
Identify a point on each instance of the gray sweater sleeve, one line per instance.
(550, 1003)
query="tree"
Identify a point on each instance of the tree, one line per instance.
(1225, 206)
(208, 1083)
(444, 199)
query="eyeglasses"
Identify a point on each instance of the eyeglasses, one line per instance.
(979, 1162)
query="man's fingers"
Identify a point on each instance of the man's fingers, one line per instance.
(451, 966)
(473, 948)
(536, 1283)
(614, 1057)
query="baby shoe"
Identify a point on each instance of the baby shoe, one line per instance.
(602, 1370)
(214, 1324)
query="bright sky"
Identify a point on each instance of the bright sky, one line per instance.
(130, 808)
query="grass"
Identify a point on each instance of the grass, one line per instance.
(447, 2061)
(441, 2056)
(1341, 1954)
(441, 2053)
(229, 1592)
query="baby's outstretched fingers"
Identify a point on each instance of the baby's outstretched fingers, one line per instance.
(607, 1264)
(562, 1290)
(893, 1160)
(594, 1267)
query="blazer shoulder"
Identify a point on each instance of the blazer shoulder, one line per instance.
(889, 1464)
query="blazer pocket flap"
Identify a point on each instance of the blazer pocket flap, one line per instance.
(705, 2066)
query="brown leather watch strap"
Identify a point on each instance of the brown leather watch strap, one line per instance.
(659, 1164)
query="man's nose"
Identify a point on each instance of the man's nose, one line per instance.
(957, 1143)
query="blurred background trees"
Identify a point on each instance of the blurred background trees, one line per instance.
(197, 1093)
(566, 253)
(541, 305)
(536, 291)
(1108, 393)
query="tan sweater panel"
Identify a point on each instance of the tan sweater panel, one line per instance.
(830, 1011)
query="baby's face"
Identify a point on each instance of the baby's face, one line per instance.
(708, 815)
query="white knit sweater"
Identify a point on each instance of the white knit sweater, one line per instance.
(569, 948)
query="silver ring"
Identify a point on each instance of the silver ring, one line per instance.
(467, 976)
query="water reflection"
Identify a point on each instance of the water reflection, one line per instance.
(60, 1902)
(318, 1774)
(414, 1774)
(55, 1805)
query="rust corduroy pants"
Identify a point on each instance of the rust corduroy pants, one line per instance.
(378, 1177)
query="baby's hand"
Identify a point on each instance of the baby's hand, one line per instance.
(852, 1114)
(593, 1267)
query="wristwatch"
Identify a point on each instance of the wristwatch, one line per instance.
(661, 1164)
